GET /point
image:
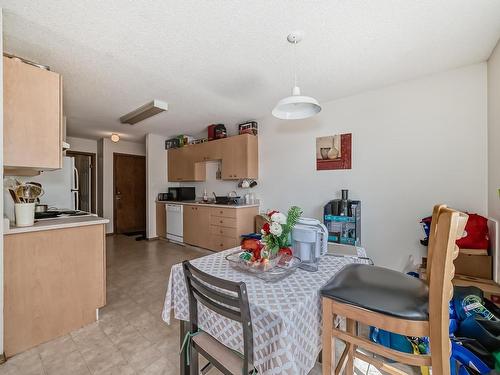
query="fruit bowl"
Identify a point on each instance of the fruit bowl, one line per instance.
(271, 270)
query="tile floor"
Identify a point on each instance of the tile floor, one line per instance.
(130, 337)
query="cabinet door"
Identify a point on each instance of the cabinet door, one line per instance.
(182, 165)
(240, 157)
(174, 161)
(32, 116)
(196, 225)
(161, 220)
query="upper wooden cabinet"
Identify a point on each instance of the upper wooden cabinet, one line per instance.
(32, 138)
(239, 156)
(182, 165)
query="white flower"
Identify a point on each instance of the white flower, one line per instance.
(276, 229)
(279, 218)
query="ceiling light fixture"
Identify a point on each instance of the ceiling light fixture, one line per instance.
(115, 137)
(296, 107)
(147, 110)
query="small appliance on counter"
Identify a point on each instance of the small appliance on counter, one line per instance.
(309, 242)
(164, 197)
(184, 193)
(342, 217)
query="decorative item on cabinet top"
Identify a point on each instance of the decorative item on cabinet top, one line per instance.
(238, 156)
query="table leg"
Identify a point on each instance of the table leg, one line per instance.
(184, 368)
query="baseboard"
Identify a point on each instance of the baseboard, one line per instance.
(110, 234)
(2, 358)
(153, 238)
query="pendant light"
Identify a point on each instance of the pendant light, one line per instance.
(297, 106)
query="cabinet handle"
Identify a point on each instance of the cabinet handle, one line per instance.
(220, 221)
(220, 212)
(220, 232)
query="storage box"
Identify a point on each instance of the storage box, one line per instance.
(480, 266)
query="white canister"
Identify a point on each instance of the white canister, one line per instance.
(25, 214)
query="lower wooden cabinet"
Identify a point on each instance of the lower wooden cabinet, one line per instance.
(54, 280)
(196, 228)
(217, 228)
(161, 220)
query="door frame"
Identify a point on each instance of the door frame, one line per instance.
(93, 176)
(115, 154)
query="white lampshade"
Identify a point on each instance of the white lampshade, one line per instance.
(296, 107)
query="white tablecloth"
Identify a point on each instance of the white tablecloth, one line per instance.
(286, 315)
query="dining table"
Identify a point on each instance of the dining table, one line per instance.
(286, 314)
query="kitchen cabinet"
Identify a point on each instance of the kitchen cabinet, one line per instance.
(195, 223)
(33, 120)
(238, 155)
(217, 228)
(182, 165)
(54, 280)
(161, 220)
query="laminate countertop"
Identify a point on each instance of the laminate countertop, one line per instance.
(57, 223)
(196, 203)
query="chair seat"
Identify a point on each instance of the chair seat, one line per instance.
(225, 356)
(381, 290)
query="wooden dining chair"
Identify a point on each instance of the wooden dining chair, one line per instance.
(229, 299)
(397, 303)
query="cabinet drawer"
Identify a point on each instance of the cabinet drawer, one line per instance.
(222, 243)
(223, 221)
(223, 231)
(224, 212)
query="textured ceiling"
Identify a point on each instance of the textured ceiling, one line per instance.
(228, 61)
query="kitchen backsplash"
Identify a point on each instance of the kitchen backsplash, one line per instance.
(220, 187)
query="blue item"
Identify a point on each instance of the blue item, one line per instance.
(253, 236)
(391, 340)
(466, 358)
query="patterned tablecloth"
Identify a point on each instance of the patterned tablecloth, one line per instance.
(286, 315)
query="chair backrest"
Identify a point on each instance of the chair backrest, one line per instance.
(227, 298)
(447, 226)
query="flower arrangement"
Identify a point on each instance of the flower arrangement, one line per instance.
(276, 232)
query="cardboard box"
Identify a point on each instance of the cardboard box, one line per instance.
(480, 266)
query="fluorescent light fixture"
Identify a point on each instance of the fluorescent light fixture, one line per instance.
(115, 137)
(147, 110)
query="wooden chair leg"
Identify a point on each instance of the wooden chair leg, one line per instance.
(350, 328)
(440, 352)
(328, 353)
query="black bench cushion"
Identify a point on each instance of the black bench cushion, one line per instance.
(380, 289)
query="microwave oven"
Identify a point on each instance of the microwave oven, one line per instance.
(184, 193)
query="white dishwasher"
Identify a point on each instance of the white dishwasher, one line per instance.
(174, 222)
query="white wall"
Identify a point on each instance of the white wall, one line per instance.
(414, 144)
(108, 148)
(494, 133)
(156, 172)
(82, 144)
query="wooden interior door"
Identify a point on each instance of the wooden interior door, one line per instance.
(129, 177)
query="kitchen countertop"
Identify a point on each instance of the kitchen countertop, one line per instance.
(196, 203)
(57, 223)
